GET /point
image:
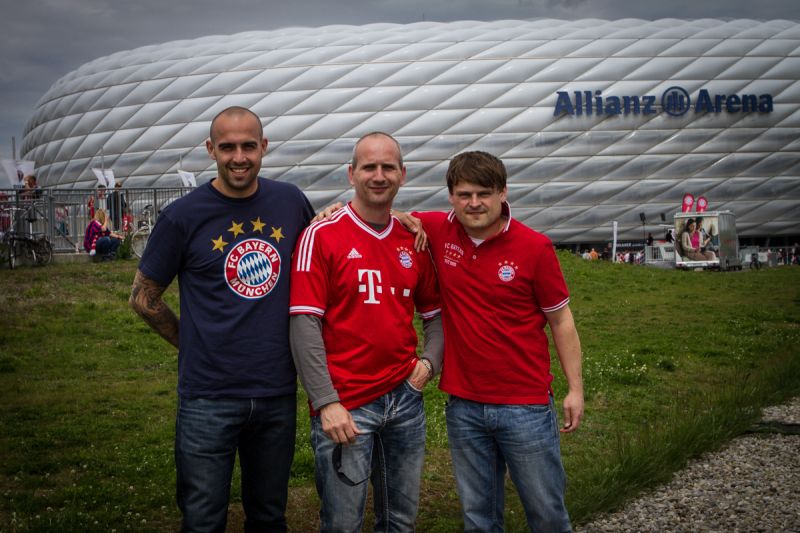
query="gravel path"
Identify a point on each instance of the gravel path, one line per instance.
(753, 484)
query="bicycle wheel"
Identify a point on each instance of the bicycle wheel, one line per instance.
(26, 251)
(139, 241)
(10, 252)
(43, 252)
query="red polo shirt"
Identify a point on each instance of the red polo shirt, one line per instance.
(494, 299)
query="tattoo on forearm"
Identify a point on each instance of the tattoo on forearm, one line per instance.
(146, 300)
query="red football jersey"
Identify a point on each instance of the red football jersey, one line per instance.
(494, 299)
(365, 285)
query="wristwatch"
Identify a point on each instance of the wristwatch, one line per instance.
(425, 361)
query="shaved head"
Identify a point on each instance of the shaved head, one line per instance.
(354, 161)
(235, 112)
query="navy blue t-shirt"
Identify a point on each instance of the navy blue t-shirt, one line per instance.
(233, 259)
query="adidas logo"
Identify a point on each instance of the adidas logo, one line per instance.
(354, 254)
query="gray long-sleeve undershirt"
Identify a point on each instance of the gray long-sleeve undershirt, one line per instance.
(308, 351)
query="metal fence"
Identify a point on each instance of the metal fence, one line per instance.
(63, 214)
(664, 254)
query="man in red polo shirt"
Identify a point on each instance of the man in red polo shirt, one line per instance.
(501, 284)
(356, 281)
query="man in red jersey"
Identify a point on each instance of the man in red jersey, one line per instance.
(356, 280)
(501, 284)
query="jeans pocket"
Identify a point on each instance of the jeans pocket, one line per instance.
(538, 418)
(413, 388)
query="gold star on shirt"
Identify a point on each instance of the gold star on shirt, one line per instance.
(219, 244)
(258, 225)
(277, 233)
(235, 228)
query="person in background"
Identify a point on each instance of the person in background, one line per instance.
(30, 187)
(755, 263)
(99, 239)
(117, 206)
(27, 200)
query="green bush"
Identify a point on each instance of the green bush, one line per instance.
(125, 250)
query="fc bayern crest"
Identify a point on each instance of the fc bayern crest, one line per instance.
(252, 268)
(405, 257)
(506, 273)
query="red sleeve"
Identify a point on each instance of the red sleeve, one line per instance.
(549, 286)
(309, 286)
(430, 219)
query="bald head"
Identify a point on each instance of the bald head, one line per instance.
(374, 134)
(235, 112)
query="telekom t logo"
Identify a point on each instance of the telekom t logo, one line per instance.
(371, 287)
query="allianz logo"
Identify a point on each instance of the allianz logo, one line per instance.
(675, 101)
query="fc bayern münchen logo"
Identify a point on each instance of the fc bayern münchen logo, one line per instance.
(506, 273)
(405, 259)
(252, 268)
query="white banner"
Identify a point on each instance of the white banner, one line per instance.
(187, 178)
(614, 246)
(16, 170)
(105, 177)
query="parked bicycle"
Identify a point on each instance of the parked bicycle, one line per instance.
(27, 247)
(142, 233)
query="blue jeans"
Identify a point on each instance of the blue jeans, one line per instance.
(207, 435)
(107, 245)
(390, 451)
(484, 439)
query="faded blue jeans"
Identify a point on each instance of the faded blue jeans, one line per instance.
(390, 451)
(207, 435)
(484, 439)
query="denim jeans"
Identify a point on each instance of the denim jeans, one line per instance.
(484, 439)
(390, 451)
(208, 433)
(107, 245)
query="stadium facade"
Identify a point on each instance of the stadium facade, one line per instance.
(596, 120)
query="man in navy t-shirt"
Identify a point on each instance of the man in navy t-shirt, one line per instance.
(230, 244)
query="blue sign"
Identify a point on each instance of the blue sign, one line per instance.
(675, 101)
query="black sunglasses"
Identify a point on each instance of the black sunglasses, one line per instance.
(337, 465)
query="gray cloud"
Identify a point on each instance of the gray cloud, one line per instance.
(43, 40)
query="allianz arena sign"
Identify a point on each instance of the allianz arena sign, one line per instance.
(674, 101)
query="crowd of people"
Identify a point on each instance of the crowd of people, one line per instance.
(632, 256)
(780, 256)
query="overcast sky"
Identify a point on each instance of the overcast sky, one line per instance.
(42, 40)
